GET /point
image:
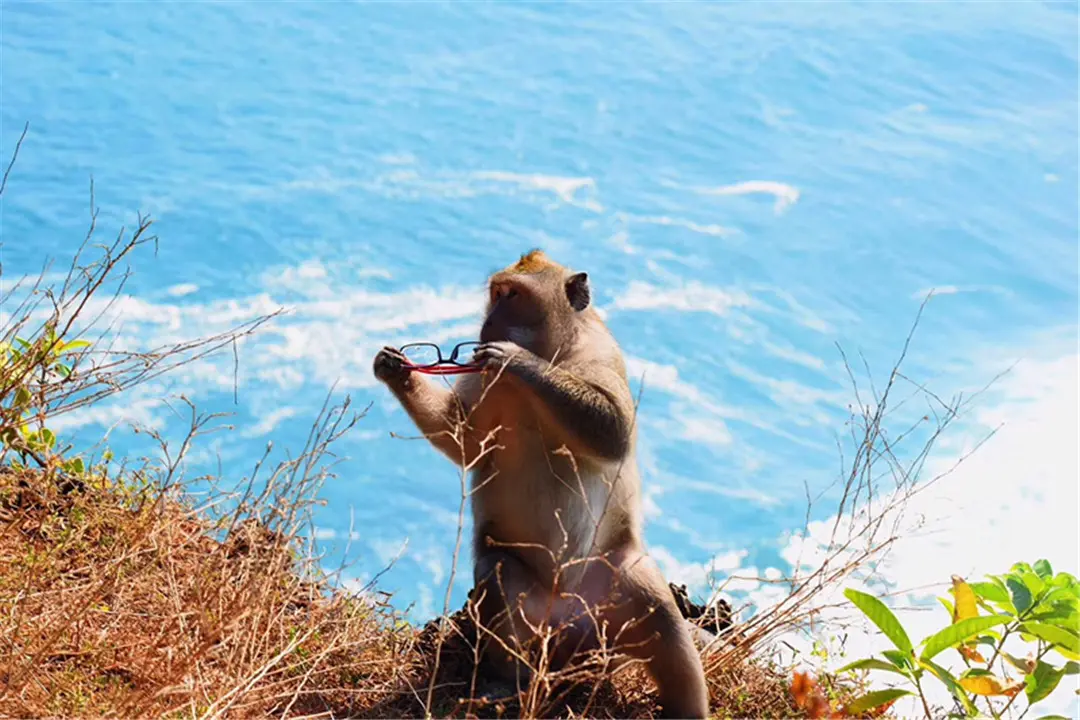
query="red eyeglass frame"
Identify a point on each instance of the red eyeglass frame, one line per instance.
(444, 365)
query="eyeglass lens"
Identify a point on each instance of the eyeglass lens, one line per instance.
(422, 354)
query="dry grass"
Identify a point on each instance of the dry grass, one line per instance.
(116, 603)
(117, 600)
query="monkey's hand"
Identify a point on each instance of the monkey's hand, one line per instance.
(390, 368)
(497, 355)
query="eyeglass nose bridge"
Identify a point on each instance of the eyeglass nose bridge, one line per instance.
(457, 349)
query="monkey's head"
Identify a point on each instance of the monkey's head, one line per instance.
(535, 303)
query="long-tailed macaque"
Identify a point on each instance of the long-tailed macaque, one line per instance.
(548, 432)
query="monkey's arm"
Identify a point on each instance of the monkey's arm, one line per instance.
(440, 414)
(590, 402)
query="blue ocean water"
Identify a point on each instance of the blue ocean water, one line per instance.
(748, 186)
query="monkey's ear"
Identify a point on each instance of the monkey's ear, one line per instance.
(577, 291)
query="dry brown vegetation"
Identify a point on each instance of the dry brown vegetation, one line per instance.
(120, 601)
(123, 592)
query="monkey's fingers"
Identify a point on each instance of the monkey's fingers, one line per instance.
(389, 363)
(490, 357)
(392, 351)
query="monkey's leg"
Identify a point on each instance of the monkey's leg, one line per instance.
(506, 593)
(646, 623)
(513, 606)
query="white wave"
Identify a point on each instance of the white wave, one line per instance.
(140, 406)
(404, 177)
(621, 240)
(380, 273)
(650, 508)
(937, 290)
(748, 494)
(690, 297)
(790, 354)
(696, 418)
(799, 312)
(566, 188)
(329, 334)
(182, 289)
(956, 289)
(662, 377)
(694, 575)
(710, 229)
(702, 428)
(786, 195)
(787, 393)
(398, 159)
(269, 422)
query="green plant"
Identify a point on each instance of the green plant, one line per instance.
(1030, 604)
(30, 369)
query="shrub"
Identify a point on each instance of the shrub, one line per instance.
(1030, 603)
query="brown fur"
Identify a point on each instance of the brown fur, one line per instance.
(547, 432)
(533, 261)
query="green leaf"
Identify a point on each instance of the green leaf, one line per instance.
(1042, 568)
(1063, 579)
(951, 683)
(1034, 583)
(1053, 717)
(1060, 614)
(47, 438)
(881, 616)
(958, 633)
(872, 664)
(62, 370)
(990, 591)
(25, 345)
(948, 605)
(871, 700)
(1071, 668)
(1042, 682)
(72, 346)
(1058, 595)
(1020, 594)
(898, 658)
(1056, 636)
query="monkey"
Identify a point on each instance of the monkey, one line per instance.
(547, 433)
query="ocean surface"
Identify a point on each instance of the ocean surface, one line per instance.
(752, 188)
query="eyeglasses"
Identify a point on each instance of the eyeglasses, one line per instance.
(427, 358)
